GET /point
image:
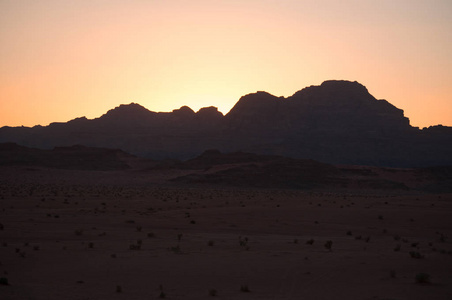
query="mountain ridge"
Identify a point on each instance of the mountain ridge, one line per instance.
(336, 122)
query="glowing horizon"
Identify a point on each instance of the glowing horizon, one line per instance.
(61, 60)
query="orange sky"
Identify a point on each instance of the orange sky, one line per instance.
(64, 59)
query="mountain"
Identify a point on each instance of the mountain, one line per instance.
(337, 122)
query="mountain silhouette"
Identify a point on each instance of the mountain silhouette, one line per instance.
(74, 158)
(337, 122)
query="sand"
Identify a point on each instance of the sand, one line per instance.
(119, 235)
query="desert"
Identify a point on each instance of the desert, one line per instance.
(189, 150)
(153, 230)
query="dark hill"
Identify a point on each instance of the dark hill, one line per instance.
(240, 169)
(75, 157)
(336, 122)
(253, 170)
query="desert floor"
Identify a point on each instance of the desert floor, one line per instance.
(99, 235)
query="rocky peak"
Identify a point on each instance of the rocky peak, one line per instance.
(335, 93)
(210, 113)
(184, 111)
(260, 104)
(128, 111)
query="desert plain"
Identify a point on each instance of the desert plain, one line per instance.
(129, 234)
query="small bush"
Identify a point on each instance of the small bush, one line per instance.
(416, 255)
(243, 242)
(328, 245)
(422, 278)
(310, 242)
(244, 289)
(4, 281)
(175, 249)
(212, 292)
(118, 289)
(134, 247)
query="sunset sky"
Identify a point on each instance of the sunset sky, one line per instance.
(65, 59)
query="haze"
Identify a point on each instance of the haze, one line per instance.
(65, 59)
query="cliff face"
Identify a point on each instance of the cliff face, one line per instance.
(336, 122)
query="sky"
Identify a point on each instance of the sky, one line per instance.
(60, 59)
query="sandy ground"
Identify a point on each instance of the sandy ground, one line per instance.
(97, 235)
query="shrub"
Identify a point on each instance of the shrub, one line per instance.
(212, 292)
(243, 242)
(310, 242)
(328, 245)
(134, 247)
(416, 255)
(244, 289)
(422, 278)
(175, 249)
(162, 294)
(4, 281)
